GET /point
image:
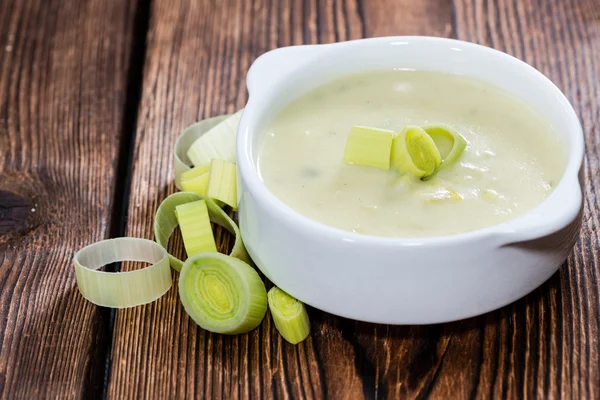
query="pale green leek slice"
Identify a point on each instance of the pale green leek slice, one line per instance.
(222, 183)
(165, 223)
(414, 152)
(196, 179)
(196, 231)
(448, 141)
(122, 289)
(369, 147)
(218, 143)
(222, 294)
(289, 315)
(181, 162)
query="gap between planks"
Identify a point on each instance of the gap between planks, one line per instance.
(122, 185)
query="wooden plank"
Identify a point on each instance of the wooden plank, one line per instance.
(63, 68)
(198, 54)
(544, 345)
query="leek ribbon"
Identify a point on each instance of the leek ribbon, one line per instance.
(122, 289)
(415, 152)
(448, 141)
(218, 143)
(181, 162)
(165, 223)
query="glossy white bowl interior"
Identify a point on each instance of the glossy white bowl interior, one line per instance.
(396, 280)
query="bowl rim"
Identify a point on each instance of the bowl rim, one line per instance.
(568, 182)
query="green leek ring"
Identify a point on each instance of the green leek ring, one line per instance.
(448, 141)
(414, 152)
(165, 223)
(122, 289)
(222, 294)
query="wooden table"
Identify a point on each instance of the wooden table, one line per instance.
(92, 96)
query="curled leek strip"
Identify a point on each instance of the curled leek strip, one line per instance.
(414, 152)
(218, 143)
(123, 289)
(165, 223)
(448, 141)
(289, 315)
(222, 294)
(181, 162)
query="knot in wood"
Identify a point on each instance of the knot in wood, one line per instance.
(14, 211)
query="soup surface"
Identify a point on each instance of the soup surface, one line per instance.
(511, 163)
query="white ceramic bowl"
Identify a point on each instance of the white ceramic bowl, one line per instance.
(396, 280)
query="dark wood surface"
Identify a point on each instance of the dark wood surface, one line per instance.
(63, 81)
(92, 97)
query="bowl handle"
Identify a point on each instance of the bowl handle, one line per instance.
(272, 66)
(553, 218)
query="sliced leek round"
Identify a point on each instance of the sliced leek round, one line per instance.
(181, 162)
(448, 141)
(218, 143)
(222, 294)
(165, 223)
(414, 152)
(289, 315)
(122, 289)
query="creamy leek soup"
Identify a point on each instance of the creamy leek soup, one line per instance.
(512, 161)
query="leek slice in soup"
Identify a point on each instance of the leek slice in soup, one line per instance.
(509, 161)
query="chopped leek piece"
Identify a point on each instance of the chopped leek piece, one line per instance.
(222, 183)
(289, 315)
(181, 162)
(448, 141)
(165, 223)
(196, 179)
(218, 143)
(414, 152)
(123, 289)
(222, 294)
(194, 223)
(369, 147)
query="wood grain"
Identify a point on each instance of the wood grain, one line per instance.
(552, 349)
(545, 345)
(62, 84)
(195, 67)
